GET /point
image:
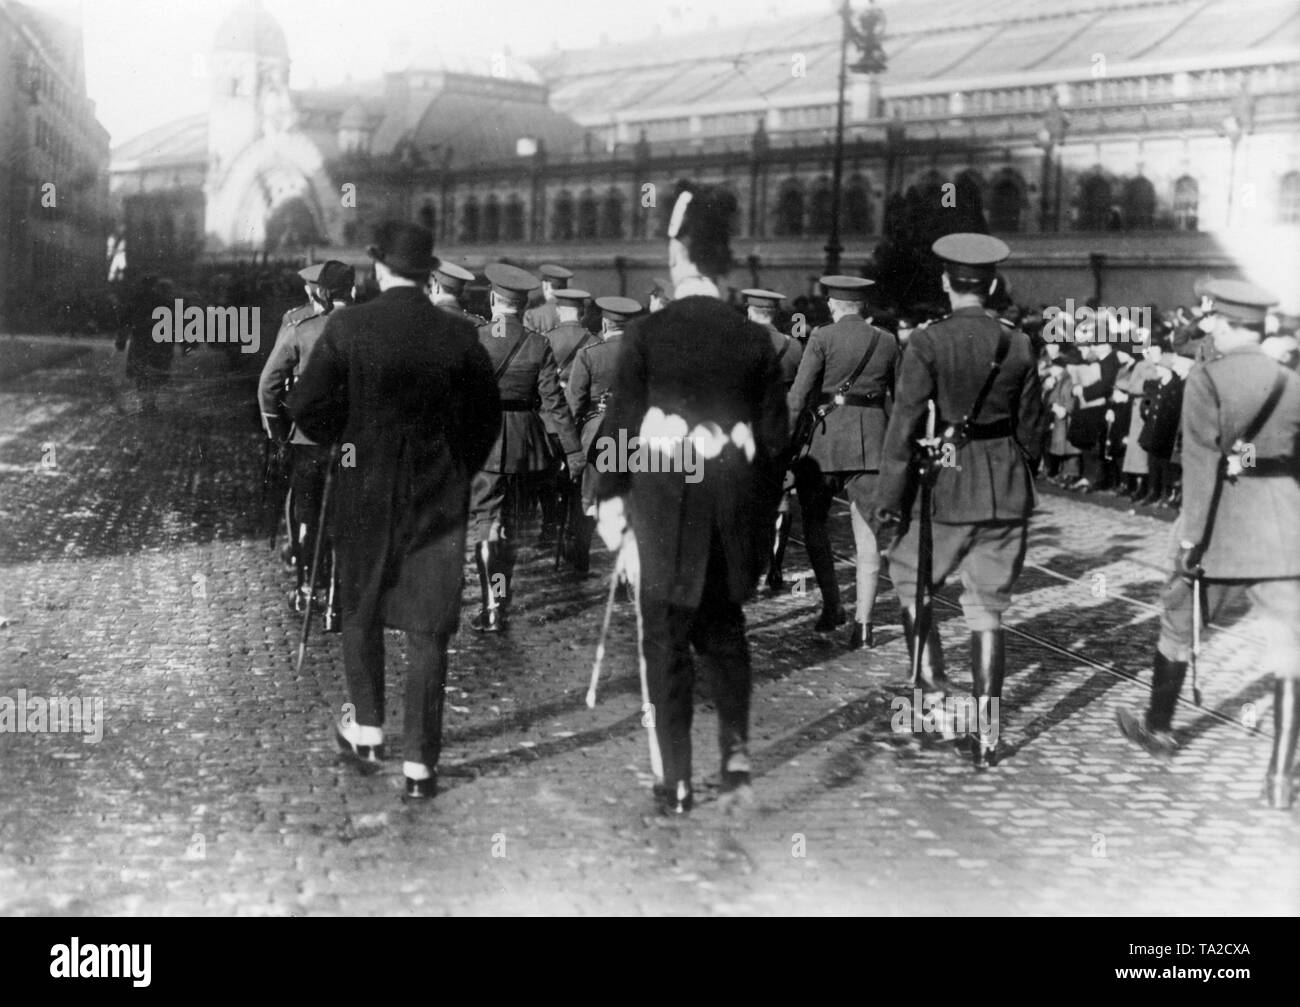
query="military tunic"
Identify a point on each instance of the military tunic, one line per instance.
(590, 382)
(531, 404)
(566, 338)
(542, 318)
(983, 500)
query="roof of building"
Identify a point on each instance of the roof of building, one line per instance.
(954, 40)
(250, 27)
(182, 141)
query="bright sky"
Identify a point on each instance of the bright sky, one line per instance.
(142, 55)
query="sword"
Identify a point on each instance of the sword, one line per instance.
(925, 544)
(315, 556)
(1196, 637)
(604, 630)
(647, 708)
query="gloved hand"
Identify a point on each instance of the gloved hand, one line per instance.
(611, 522)
(576, 461)
(887, 525)
(1110, 415)
(1059, 411)
(1187, 564)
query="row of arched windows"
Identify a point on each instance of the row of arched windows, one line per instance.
(800, 209)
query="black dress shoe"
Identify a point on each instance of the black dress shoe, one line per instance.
(1161, 744)
(372, 754)
(671, 804)
(421, 790)
(622, 592)
(983, 755)
(830, 620)
(860, 637)
(488, 620)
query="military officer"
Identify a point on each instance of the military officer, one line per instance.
(331, 283)
(845, 450)
(761, 307)
(529, 382)
(695, 373)
(1239, 529)
(447, 285)
(408, 390)
(588, 391)
(544, 317)
(556, 492)
(983, 495)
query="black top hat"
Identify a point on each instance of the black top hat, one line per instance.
(406, 249)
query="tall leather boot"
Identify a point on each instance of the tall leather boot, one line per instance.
(580, 554)
(490, 618)
(1278, 792)
(817, 545)
(988, 663)
(775, 580)
(933, 680)
(1153, 732)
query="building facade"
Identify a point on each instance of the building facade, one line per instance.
(1147, 131)
(55, 219)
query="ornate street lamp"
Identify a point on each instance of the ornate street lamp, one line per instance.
(1238, 123)
(1051, 134)
(867, 37)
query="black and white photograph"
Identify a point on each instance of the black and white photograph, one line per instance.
(717, 458)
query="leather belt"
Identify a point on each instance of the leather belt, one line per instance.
(1272, 468)
(871, 400)
(983, 431)
(518, 405)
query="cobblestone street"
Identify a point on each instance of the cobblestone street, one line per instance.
(135, 568)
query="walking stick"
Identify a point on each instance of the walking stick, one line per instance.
(604, 631)
(315, 556)
(1196, 637)
(648, 715)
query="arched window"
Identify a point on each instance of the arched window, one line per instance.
(562, 218)
(492, 219)
(1139, 204)
(588, 215)
(970, 194)
(1187, 196)
(611, 215)
(514, 224)
(857, 206)
(449, 218)
(819, 207)
(1288, 199)
(789, 208)
(1094, 204)
(428, 218)
(1004, 207)
(469, 220)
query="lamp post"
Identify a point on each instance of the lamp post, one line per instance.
(866, 37)
(1050, 135)
(1238, 122)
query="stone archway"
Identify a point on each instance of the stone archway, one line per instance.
(291, 226)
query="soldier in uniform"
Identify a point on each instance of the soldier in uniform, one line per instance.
(554, 488)
(761, 307)
(447, 285)
(845, 452)
(529, 381)
(984, 494)
(696, 373)
(331, 284)
(409, 392)
(545, 317)
(1239, 529)
(588, 391)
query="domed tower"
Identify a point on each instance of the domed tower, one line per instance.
(250, 84)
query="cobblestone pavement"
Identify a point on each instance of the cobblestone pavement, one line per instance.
(134, 567)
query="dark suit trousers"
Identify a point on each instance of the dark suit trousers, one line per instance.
(716, 632)
(426, 675)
